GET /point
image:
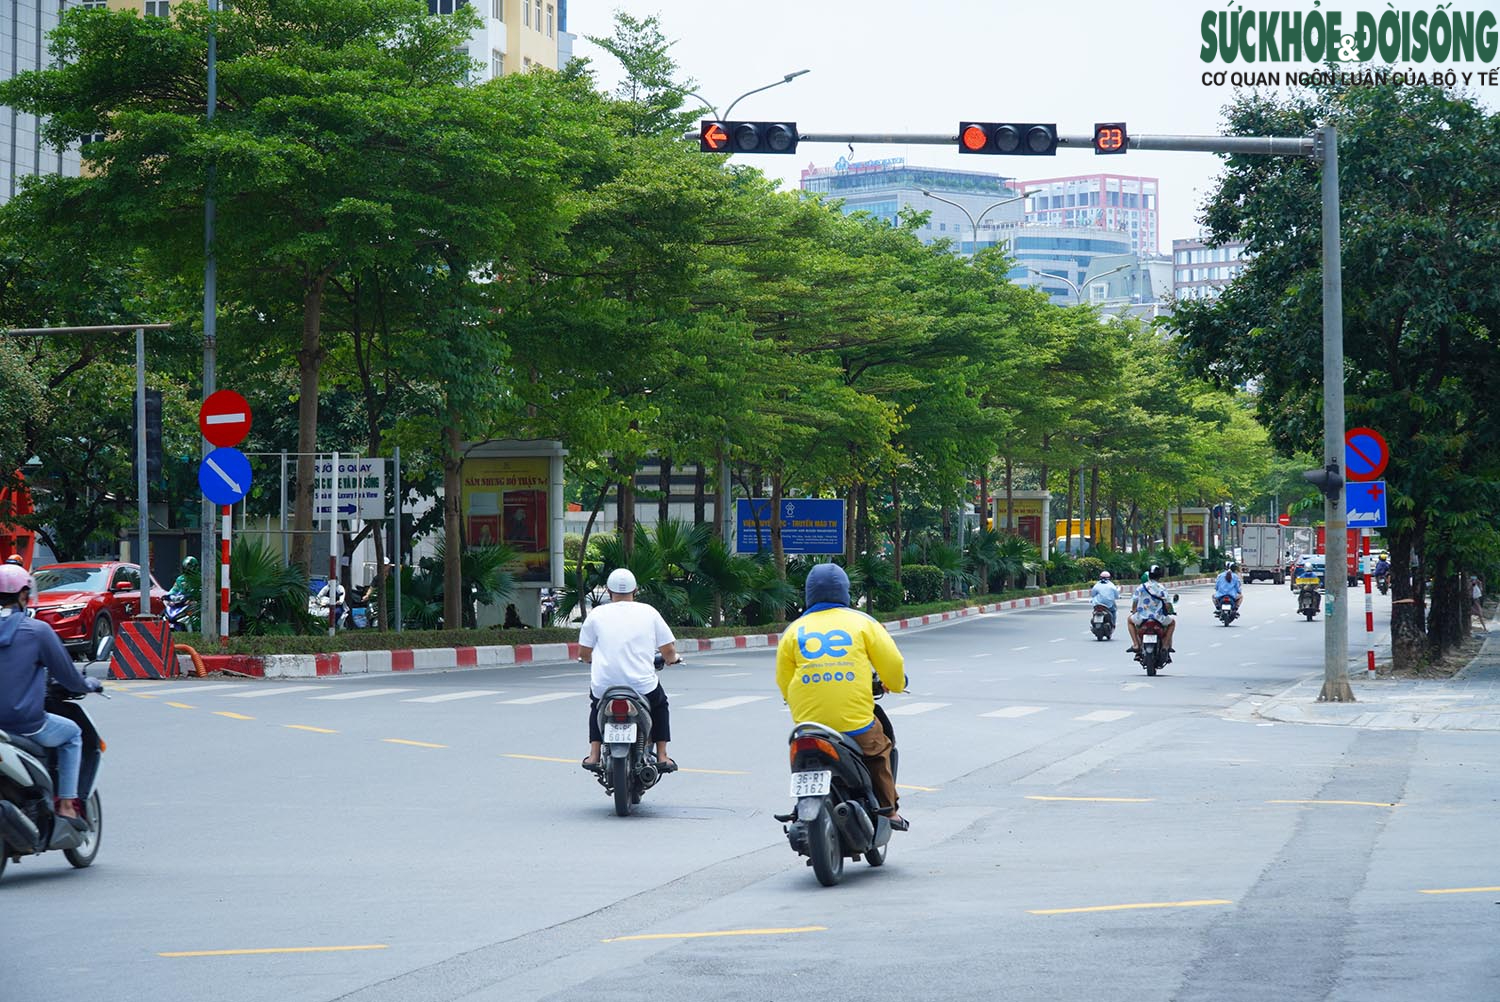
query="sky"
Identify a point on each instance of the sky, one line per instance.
(919, 66)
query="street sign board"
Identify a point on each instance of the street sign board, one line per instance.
(361, 488)
(224, 476)
(224, 418)
(1365, 454)
(808, 525)
(1365, 505)
(1284, 519)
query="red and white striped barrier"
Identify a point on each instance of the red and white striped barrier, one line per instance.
(459, 658)
(224, 577)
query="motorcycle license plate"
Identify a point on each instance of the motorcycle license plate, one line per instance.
(812, 784)
(1098, 618)
(1149, 640)
(618, 733)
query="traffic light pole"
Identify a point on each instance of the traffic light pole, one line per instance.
(1322, 146)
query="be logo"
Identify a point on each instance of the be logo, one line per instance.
(814, 645)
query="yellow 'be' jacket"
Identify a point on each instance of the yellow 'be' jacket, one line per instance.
(823, 666)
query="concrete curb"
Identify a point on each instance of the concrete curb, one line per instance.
(458, 658)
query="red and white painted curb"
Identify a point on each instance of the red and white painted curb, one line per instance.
(457, 658)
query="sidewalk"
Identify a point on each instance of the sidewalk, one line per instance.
(1469, 701)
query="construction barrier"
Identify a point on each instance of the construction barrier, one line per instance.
(143, 649)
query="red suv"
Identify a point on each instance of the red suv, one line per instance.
(85, 601)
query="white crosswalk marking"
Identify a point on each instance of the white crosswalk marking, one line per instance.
(276, 691)
(448, 697)
(208, 687)
(726, 702)
(1105, 716)
(362, 693)
(545, 697)
(733, 674)
(1014, 711)
(911, 709)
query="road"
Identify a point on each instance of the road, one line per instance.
(1078, 832)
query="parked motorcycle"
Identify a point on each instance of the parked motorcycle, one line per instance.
(29, 824)
(628, 764)
(837, 814)
(1309, 596)
(1225, 610)
(1102, 622)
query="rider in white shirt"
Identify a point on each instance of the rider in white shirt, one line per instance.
(1106, 593)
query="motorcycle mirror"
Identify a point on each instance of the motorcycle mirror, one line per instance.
(106, 648)
(1176, 598)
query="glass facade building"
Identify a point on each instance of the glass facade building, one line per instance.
(1200, 271)
(1131, 205)
(24, 25)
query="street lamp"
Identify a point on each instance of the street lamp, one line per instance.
(710, 105)
(1078, 289)
(973, 220)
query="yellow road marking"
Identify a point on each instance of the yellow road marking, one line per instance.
(139, 695)
(924, 789)
(1097, 800)
(1349, 803)
(1462, 890)
(537, 758)
(274, 949)
(414, 744)
(231, 716)
(305, 727)
(1121, 908)
(181, 706)
(725, 932)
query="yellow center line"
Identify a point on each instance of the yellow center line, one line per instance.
(274, 949)
(414, 744)
(538, 758)
(231, 716)
(1097, 800)
(1461, 890)
(181, 706)
(1121, 908)
(305, 727)
(725, 932)
(1347, 803)
(924, 789)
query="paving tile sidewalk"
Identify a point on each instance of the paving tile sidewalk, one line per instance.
(1469, 701)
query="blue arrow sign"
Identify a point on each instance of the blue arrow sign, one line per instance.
(224, 476)
(1364, 504)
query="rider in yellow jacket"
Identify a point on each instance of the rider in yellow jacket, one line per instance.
(825, 664)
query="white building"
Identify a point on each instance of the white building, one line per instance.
(23, 46)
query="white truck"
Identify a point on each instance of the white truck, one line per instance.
(1263, 549)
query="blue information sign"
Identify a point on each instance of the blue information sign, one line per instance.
(1364, 503)
(808, 525)
(224, 476)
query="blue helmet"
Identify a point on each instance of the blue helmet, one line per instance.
(826, 583)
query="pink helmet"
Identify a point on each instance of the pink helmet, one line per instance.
(14, 578)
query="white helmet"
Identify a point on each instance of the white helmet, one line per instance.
(621, 581)
(13, 578)
(1104, 575)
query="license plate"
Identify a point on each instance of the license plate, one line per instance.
(1149, 639)
(1099, 618)
(619, 733)
(811, 784)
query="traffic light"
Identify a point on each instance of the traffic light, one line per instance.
(1328, 480)
(1110, 138)
(153, 437)
(1234, 516)
(747, 137)
(1021, 139)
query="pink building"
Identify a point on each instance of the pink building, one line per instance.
(1120, 202)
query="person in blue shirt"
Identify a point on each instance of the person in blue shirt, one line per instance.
(1106, 593)
(1228, 583)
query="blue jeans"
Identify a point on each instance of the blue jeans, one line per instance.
(64, 735)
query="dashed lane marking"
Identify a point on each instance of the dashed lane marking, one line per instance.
(1121, 908)
(1096, 800)
(276, 691)
(231, 716)
(545, 697)
(1105, 716)
(272, 949)
(1026, 647)
(920, 789)
(539, 758)
(305, 727)
(448, 697)
(734, 674)
(414, 744)
(912, 709)
(362, 693)
(176, 690)
(181, 706)
(1460, 890)
(1343, 803)
(567, 674)
(1014, 711)
(726, 702)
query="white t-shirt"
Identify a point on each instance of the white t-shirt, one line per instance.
(625, 638)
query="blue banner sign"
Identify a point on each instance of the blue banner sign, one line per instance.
(808, 525)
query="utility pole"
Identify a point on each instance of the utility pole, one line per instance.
(207, 557)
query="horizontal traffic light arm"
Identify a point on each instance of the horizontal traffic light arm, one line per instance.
(1287, 146)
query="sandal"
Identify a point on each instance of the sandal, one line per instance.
(665, 766)
(900, 825)
(592, 766)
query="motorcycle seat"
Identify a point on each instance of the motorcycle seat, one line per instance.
(27, 745)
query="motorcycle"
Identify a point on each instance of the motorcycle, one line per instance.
(181, 612)
(1153, 655)
(1102, 622)
(1308, 597)
(1383, 582)
(627, 765)
(1225, 610)
(29, 824)
(837, 814)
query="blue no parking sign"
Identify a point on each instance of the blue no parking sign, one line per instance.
(1365, 454)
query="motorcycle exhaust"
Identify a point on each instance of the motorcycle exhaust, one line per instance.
(17, 831)
(854, 823)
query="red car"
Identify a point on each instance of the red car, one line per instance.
(85, 601)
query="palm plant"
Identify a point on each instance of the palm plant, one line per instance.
(950, 560)
(485, 572)
(872, 578)
(266, 596)
(421, 599)
(982, 558)
(770, 595)
(1016, 558)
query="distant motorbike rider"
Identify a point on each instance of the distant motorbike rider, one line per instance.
(1228, 583)
(1382, 566)
(826, 664)
(187, 581)
(620, 641)
(1151, 602)
(1106, 593)
(29, 652)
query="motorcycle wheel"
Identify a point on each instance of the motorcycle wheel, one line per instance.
(89, 847)
(1151, 666)
(3, 858)
(877, 856)
(823, 846)
(619, 779)
(1309, 614)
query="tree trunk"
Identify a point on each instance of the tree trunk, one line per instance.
(1068, 525)
(984, 497)
(862, 522)
(1010, 497)
(896, 511)
(583, 551)
(625, 499)
(777, 553)
(850, 543)
(700, 495)
(1046, 529)
(309, 364)
(1094, 506)
(947, 526)
(664, 485)
(454, 600)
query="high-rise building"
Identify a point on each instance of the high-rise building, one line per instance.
(1066, 261)
(23, 46)
(1200, 271)
(883, 188)
(1101, 202)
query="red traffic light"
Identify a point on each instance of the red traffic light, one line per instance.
(974, 138)
(1007, 138)
(1110, 138)
(747, 137)
(712, 138)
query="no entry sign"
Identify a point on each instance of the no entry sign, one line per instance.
(1365, 454)
(224, 418)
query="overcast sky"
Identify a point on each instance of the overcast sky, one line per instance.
(918, 66)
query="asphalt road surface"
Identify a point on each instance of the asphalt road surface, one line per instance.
(1078, 832)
